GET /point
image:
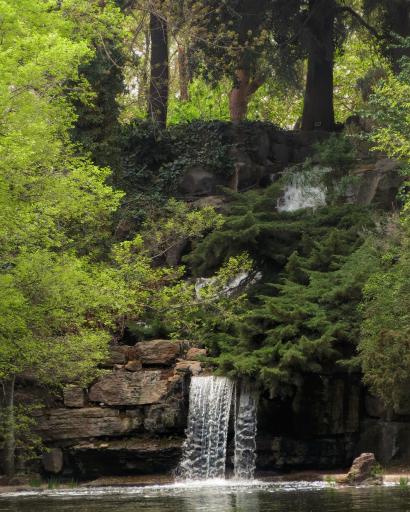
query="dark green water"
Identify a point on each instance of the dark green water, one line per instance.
(263, 498)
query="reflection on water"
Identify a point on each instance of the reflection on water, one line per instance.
(215, 498)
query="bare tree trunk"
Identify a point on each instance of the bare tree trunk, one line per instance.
(9, 449)
(241, 93)
(183, 70)
(318, 110)
(159, 80)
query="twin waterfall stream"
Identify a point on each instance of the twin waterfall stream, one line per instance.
(217, 402)
(212, 400)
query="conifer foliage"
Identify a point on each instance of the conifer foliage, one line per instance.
(303, 315)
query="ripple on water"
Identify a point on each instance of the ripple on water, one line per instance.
(212, 496)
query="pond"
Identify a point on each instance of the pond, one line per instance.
(214, 497)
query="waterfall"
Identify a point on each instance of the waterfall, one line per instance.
(304, 190)
(245, 433)
(204, 449)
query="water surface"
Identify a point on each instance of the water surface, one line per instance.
(214, 497)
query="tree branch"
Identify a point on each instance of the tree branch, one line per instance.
(361, 20)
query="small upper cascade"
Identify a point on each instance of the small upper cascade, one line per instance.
(304, 191)
(204, 449)
(245, 432)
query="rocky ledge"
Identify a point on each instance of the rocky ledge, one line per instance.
(131, 420)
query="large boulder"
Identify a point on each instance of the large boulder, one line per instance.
(194, 353)
(118, 355)
(379, 183)
(130, 388)
(53, 460)
(58, 424)
(365, 468)
(198, 181)
(158, 352)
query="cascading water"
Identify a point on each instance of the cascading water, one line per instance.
(304, 190)
(204, 450)
(245, 433)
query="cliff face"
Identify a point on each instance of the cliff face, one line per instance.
(131, 420)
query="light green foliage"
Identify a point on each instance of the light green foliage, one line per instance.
(197, 313)
(206, 102)
(177, 224)
(28, 443)
(403, 482)
(37, 58)
(385, 344)
(353, 63)
(389, 106)
(277, 103)
(63, 291)
(384, 348)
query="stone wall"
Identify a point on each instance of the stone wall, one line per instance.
(260, 152)
(130, 420)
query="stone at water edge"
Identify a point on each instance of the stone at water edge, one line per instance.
(53, 460)
(365, 468)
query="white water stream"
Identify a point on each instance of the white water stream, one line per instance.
(204, 449)
(304, 191)
(245, 433)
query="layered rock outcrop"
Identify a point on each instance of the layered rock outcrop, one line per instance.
(131, 419)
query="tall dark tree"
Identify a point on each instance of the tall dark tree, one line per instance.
(318, 111)
(393, 17)
(97, 125)
(159, 70)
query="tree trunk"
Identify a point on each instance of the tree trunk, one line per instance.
(318, 110)
(9, 449)
(399, 21)
(183, 70)
(241, 94)
(159, 80)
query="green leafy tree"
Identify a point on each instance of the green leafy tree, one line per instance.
(384, 349)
